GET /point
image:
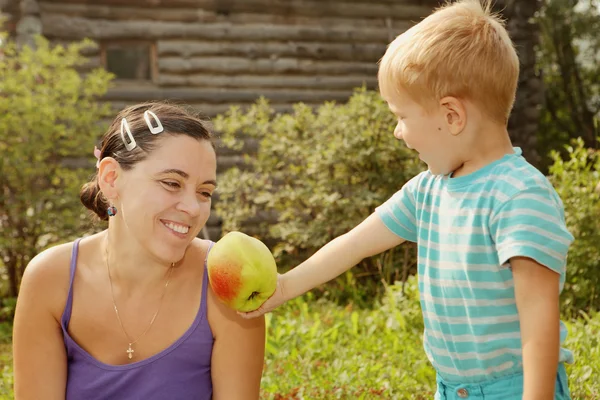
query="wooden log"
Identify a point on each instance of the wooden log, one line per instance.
(211, 3)
(64, 27)
(219, 96)
(224, 162)
(250, 146)
(210, 110)
(206, 110)
(305, 50)
(238, 65)
(87, 51)
(346, 82)
(313, 8)
(128, 13)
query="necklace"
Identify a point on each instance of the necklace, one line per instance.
(131, 342)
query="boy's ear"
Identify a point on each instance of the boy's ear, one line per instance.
(455, 114)
(108, 172)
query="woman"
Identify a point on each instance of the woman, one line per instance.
(127, 313)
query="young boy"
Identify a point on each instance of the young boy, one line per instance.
(489, 226)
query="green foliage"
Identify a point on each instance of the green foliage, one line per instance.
(6, 373)
(577, 181)
(584, 341)
(7, 315)
(568, 60)
(49, 114)
(317, 173)
(319, 350)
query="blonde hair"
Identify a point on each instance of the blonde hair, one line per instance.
(461, 50)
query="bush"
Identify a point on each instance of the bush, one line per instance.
(49, 115)
(583, 340)
(317, 174)
(577, 181)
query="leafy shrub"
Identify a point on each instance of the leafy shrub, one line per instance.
(49, 114)
(583, 340)
(316, 174)
(577, 180)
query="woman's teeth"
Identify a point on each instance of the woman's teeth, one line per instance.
(177, 228)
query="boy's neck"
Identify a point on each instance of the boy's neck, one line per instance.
(491, 144)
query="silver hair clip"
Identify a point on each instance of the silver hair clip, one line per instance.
(154, 129)
(125, 128)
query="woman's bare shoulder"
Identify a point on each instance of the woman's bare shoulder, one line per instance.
(199, 248)
(48, 276)
(51, 264)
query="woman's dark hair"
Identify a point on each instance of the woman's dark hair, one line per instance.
(175, 120)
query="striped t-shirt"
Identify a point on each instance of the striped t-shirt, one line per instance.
(467, 229)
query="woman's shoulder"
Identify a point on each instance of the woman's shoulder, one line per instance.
(199, 248)
(51, 263)
(48, 276)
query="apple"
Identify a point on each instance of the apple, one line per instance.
(242, 271)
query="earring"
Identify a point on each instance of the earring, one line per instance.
(111, 211)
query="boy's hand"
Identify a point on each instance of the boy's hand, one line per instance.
(276, 299)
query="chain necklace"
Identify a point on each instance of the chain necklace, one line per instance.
(131, 342)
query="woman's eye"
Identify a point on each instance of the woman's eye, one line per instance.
(206, 194)
(171, 184)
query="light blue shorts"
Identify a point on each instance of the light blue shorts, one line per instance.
(505, 388)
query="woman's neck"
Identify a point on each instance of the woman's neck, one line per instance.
(132, 267)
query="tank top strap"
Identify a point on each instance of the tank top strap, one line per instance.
(205, 281)
(66, 317)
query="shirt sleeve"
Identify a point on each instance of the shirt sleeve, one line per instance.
(399, 212)
(531, 224)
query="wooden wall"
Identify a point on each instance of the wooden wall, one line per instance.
(215, 53)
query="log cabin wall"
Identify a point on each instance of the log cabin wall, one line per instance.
(215, 53)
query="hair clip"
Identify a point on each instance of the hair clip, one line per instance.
(154, 129)
(125, 128)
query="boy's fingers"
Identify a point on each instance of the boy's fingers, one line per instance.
(250, 314)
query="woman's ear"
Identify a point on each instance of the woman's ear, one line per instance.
(455, 114)
(108, 173)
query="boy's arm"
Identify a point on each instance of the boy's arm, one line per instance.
(530, 231)
(390, 225)
(369, 238)
(537, 297)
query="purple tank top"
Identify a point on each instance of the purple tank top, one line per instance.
(181, 371)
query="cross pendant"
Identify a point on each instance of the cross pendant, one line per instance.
(130, 352)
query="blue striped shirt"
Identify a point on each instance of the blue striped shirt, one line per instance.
(467, 229)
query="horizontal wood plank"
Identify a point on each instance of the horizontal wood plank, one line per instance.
(235, 65)
(195, 15)
(304, 50)
(219, 96)
(267, 81)
(64, 27)
(312, 8)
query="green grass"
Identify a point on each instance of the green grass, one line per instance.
(319, 350)
(328, 352)
(6, 370)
